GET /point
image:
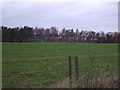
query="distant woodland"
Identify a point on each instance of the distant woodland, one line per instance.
(52, 34)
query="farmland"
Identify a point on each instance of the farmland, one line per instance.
(43, 64)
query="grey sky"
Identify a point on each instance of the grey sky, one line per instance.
(97, 16)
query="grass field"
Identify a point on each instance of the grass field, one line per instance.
(43, 64)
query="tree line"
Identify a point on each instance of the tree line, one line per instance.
(52, 34)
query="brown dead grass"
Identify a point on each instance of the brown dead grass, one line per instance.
(109, 82)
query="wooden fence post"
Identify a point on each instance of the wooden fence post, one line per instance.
(70, 70)
(76, 68)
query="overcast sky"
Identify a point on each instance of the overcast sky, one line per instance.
(95, 15)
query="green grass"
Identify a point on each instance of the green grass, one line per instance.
(27, 64)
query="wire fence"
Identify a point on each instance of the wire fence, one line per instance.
(49, 71)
